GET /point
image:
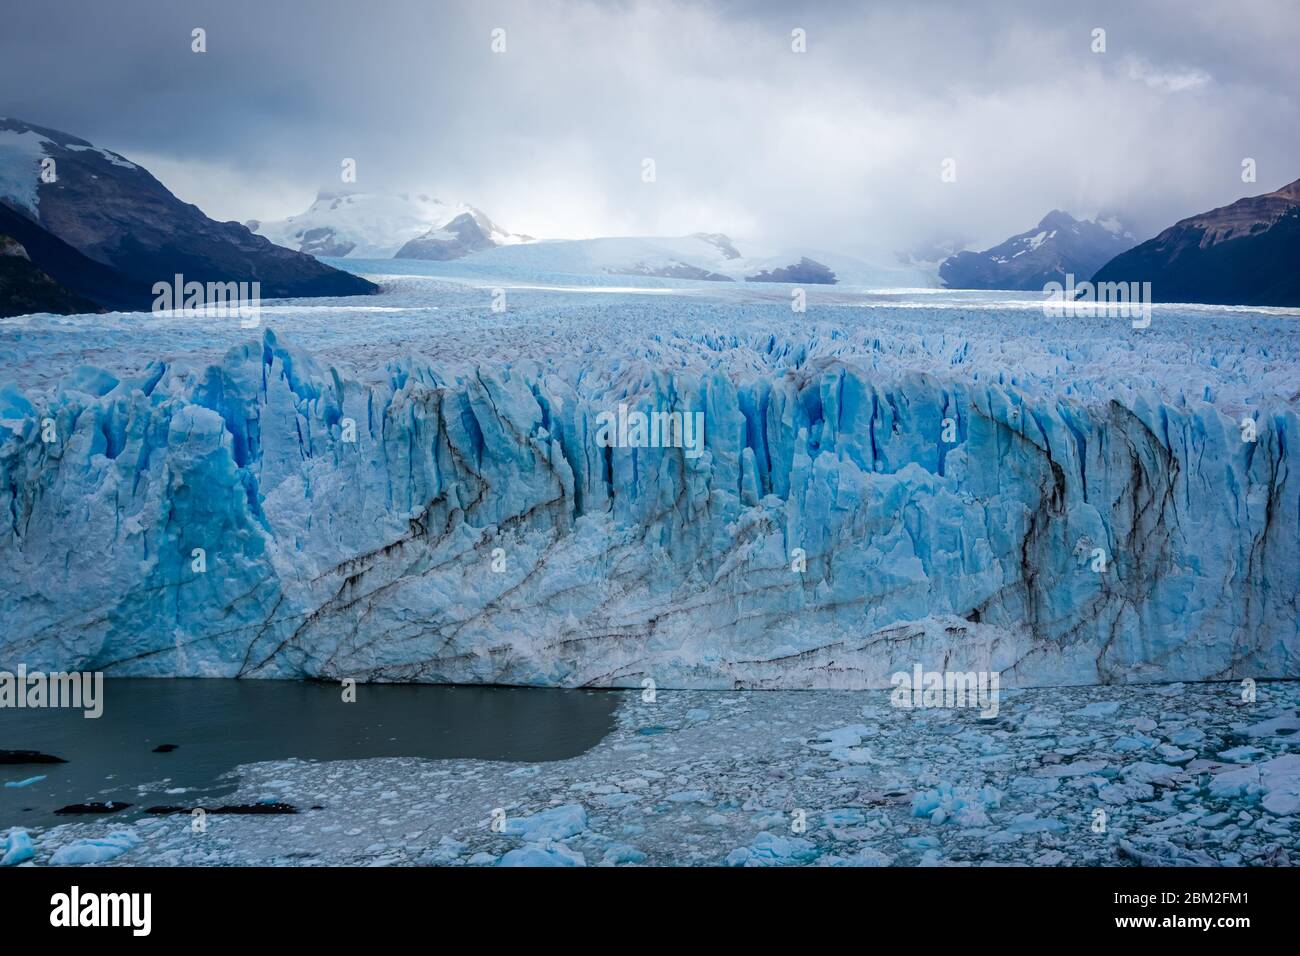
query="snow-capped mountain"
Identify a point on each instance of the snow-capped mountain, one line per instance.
(113, 212)
(1245, 253)
(1057, 246)
(362, 225)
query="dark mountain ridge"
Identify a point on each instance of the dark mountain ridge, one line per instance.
(1245, 253)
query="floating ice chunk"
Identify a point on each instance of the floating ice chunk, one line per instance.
(1101, 708)
(840, 737)
(769, 849)
(543, 854)
(15, 784)
(1146, 772)
(15, 847)
(855, 773)
(1028, 823)
(1080, 768)
(852, 755)
(1121, 793)
(965, 806)
(845, 817)
(1131, 742)
(1035, 785)
(448, 849)
(95, 851)
(1280, 778)
(1239, 782)
(482, 859)
(559, 823)
(1037, 721)
(921, 843)
(870, 856)
(1241, 754)
(1285, 726)
(1175, 755)
(690, 796)
(622, 853)
(613, 801)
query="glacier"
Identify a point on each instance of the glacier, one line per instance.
(409, 488)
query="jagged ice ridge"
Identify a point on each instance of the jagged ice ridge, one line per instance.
(475, 431)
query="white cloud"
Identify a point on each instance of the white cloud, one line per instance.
(1171, 81)
(839, 146)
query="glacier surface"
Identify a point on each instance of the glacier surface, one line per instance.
(409, 487)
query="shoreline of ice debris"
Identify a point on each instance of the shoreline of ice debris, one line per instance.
(1182, 774)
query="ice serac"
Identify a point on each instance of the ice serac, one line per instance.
(475, 531)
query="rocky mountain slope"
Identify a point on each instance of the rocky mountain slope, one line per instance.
(114, 212)
(25, 289)
(101, 285)
(1245, 253)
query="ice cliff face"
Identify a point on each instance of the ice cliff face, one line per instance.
(441, 522)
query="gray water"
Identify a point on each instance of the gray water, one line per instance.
(220, 724)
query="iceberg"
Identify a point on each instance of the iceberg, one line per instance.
(16, 847)
(95, 850)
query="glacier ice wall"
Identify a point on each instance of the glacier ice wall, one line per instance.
(474, 531)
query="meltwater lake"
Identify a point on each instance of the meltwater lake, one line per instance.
(216, 725)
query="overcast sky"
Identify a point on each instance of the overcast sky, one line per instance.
(841, 146)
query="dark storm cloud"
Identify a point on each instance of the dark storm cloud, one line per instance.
(842, 144)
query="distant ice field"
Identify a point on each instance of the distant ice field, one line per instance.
(1228, 356)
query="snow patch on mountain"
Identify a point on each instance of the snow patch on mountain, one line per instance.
(21, 152)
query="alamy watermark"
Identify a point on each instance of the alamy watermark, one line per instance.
(213, 300)
(83, 690)
(1109, 300)
(946, 689)
(625, 429)
(75, 908)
